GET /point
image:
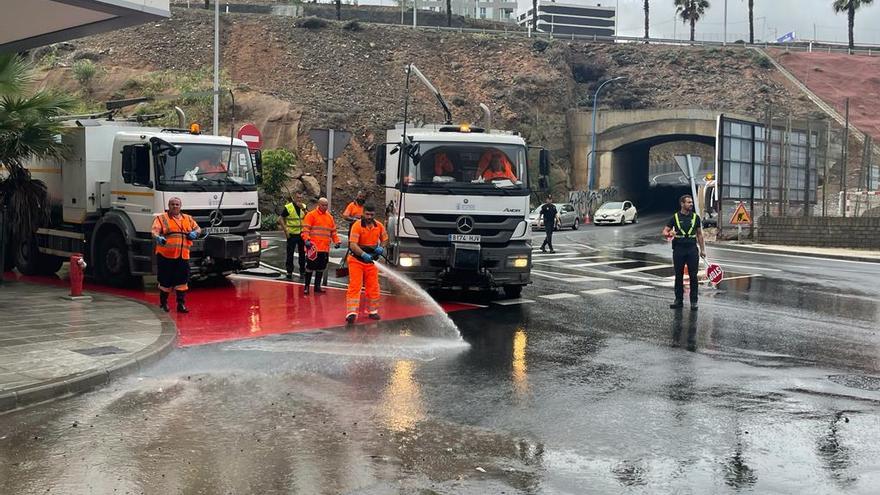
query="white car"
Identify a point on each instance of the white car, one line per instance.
(618, 212)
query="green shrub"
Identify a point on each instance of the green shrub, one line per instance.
(276, 165)
(270, 222)
(84, 71)
(312, 23)
(353, 26)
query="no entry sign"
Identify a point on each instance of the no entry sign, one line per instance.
(714, 273)
(251, 137)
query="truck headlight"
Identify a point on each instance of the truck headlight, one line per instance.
(409, 260)
(518, 261)
(253, 247)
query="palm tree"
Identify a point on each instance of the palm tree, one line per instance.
(751, 22)
(448, 13)
(27, 130)
(339, 10)
(850, 6)
(691, 11)
(535, 15)
(646, 20)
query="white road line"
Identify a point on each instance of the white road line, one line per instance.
(563, 278)
(511, 302)
(581, 265)
(562, 295)
(750, 267)
(764, 253)
(639, 269)
(597, 292)
(741, 276)
(636, 287)
(545, 255)
(571, 258)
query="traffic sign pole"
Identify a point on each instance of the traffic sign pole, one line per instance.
(330, 158)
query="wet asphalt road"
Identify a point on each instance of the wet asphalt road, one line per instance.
(588, 384)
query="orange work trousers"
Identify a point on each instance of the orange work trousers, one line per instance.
(364, 275)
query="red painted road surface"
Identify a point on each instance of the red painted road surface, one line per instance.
(242, 308)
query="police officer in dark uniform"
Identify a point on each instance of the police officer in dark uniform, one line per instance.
(685, 230)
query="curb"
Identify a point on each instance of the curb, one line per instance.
(18, 398)
(754, 249)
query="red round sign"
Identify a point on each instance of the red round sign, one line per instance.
(251, 136)
(714, 273)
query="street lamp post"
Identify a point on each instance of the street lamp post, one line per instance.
(591, 171)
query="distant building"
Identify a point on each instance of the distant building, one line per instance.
(493, 10)
(571, 18)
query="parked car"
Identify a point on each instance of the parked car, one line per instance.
(619, 212)
(568, 217)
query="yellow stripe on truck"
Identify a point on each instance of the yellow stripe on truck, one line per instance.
(131, 193)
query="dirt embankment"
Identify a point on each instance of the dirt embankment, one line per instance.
(291, 79)
(836, 77)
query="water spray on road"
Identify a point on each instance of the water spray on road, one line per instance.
(447, 327)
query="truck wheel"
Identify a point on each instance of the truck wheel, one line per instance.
(111, 264)
(512, 291)
(30, 261)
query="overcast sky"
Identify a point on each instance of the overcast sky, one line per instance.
(774, 16)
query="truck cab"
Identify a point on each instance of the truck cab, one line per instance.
(458, 204)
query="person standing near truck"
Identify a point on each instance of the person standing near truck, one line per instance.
(685, 230)
(290, 221)
(174, 233)
(551, 217)
(366, 243)
(319, 229)
(354, 211)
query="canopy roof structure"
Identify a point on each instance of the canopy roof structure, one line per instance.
(32, 23)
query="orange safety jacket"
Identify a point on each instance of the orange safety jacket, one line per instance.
(320, 229)
(367, 237)
(485, 171)
(175, 230)
(442, 165)
(353, 210)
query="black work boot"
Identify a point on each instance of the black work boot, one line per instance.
(163, 301)
(694, 306)
(676, 305)
(181, 302)
(308, 281)
(318, 277)
(350, 318)
(374, 316)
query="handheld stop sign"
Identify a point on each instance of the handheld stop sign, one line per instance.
(714, 273)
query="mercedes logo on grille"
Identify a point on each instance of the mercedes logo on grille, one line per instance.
(216, 218)
(465, 225)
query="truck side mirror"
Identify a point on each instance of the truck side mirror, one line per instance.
(381, 158)
(544, 162)
(258, 166)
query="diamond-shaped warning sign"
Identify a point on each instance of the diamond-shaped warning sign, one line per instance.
(740, 215)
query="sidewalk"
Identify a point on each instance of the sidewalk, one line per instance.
(51, 347)
(830, 253)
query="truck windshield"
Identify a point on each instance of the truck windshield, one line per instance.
(447, 168)
(206, 167)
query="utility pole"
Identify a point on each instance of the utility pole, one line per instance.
(415, 23)
(843, 167)
(591, 170)
(724, 43)
(216, 121)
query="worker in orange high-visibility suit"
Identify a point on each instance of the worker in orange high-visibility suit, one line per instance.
(318, 230)
(366, 244)
(355, 210)
(495, 165)
(174, 233)
(443, 165)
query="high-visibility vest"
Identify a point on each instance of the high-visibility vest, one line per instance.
(294, 220)
(680, 233)
(320, 229)
(176, 232)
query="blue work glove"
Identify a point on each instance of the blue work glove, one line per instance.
(308, 244)
(366, 257)
(161, 240)
(379, 251)
(337, 245)
(193, 235)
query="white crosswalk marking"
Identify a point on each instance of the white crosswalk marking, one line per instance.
(562, 277)
(639, 269)
(572, 258)
(539, 254)
(636, 287)
(511, 302)
(598, 292)
(598, 263)
(562, 295)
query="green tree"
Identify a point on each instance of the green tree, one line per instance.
(27, 131)
(691, 11)
(850, 7)
(277, 164)
(647, 7)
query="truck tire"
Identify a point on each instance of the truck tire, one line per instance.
(512, 291)
(111, 263)
(30, 261)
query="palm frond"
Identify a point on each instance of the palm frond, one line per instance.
(15, 74)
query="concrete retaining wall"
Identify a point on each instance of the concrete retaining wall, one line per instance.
(856, 233)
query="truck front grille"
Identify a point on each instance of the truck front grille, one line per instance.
(493, 229)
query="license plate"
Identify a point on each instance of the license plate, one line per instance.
(216, 230)
(464, 238)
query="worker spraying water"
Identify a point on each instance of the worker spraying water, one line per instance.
(366, 243)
